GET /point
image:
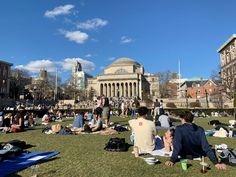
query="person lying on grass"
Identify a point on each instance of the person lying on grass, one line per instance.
(190, 142)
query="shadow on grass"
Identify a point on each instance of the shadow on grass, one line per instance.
(14, 175)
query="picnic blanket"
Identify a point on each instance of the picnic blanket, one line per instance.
(161, 152)
(23, 161)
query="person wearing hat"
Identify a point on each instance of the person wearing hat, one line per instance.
(190, 142)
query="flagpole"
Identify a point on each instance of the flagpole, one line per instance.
(179, 78)
(55, 92)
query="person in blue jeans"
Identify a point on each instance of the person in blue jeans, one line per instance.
(78, 121)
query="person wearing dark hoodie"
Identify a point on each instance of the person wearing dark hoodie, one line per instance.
(190, 142)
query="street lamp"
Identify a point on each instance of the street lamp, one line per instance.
(207, 98)
(35, 88)
(186, 96)
(196, 95)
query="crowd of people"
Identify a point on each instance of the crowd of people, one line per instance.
(187, 140)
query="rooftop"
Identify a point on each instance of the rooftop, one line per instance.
(227, 42)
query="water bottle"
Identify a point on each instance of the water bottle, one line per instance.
(230, 133)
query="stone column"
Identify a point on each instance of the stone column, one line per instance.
(133, 89)
(112, 89)
(125, 90)
(128, 89)
(104, 89)
(115, 90)
(140, 87)
(100, 88)
(109, 90)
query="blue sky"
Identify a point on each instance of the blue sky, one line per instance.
(156, 33)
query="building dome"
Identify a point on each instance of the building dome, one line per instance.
(124, 61)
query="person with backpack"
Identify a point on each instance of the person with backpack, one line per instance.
(190, 142)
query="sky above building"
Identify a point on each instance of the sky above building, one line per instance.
(156, 33)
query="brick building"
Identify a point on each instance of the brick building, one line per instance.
(4, 78)
(199, 88)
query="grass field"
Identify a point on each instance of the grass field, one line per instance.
(83, 155)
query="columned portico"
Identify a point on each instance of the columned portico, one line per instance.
(123, 78)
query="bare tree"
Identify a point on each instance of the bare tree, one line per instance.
(164, 79)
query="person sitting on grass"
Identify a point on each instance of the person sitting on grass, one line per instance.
(190, 142)
(78, 121)
(164, 119)
(144, 131)
(97, 116)
(168, 140)
(18, 123)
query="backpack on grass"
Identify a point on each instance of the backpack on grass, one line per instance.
(228, 156)
(116, 145)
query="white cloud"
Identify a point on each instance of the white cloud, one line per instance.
(60, 10)
(65, 64)
(36, 65)
(88, 55)
(76, 36)
(111, 58)
(92, 24)
(87, 66)
(125, 40)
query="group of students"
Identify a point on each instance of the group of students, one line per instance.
(187, 140)
(101, 111)
(89, 122)
(14, 122)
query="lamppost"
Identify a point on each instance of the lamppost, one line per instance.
(35, 88)
(207, 98)
(196, 95)
(186, 96)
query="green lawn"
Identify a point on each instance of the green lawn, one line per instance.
(83, 155)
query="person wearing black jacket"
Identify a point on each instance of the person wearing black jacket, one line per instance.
(190, 142)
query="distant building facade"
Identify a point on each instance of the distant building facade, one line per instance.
(5, 68)
(228, 61)
(40, 88)
(125, 78)
(199, 88)
(79, 78)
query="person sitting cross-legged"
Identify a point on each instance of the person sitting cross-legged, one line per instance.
(190, 142)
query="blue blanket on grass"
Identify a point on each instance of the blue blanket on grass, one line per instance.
(23, 161)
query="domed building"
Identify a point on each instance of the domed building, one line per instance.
(125, 77)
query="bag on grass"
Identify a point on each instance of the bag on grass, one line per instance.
(116, 145)
(214, 122)
(18, 143)
(228, 157)
(56, 128)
